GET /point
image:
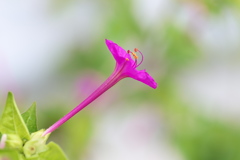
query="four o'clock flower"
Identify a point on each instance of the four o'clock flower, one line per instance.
(126, 66)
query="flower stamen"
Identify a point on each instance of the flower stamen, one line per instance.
(134, 55)
(137, 51)
(135, 59)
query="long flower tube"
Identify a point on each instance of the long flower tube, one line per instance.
(126, 64)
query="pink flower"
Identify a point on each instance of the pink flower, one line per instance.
(126, 64)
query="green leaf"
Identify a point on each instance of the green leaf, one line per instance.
(11, 121)
(9, 154)
(53, 152)
(30, 118)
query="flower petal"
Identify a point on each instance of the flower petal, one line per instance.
(143, 77)
(118, 52)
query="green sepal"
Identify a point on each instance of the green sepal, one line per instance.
(36, 144)
(30, 118)
(11, 121)
(53, 152)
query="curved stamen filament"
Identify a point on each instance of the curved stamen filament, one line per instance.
(136, 50)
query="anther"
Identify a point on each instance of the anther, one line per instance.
(134, 55)
(128, 51)
(136, 50)
(127, 59)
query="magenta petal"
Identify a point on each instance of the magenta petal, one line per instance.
(118, 52)
(143, 77)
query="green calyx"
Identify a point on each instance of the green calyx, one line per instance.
(19, 137)
(35, 145)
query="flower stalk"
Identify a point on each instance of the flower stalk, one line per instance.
(99, 91)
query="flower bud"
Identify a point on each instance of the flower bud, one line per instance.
(36, 144)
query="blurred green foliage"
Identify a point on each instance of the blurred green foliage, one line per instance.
(122, 23)
(198, 136)
(217, 6)
(79, 136)
(181, 50)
